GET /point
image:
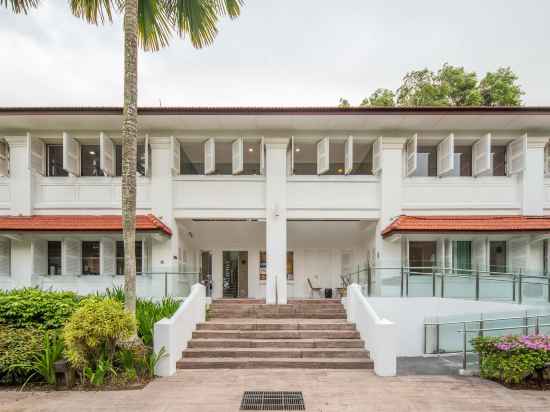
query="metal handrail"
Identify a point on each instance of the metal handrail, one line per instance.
(486, 320)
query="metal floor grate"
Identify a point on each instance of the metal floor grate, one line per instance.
(272, 401)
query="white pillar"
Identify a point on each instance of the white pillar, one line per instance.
(532, 177)
(388, 252)
(165, 250)
(21, 179)
(217, 273)
(275, 205)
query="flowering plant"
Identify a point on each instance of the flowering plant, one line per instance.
(514, 359)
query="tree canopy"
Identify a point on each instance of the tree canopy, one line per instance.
(449, 86)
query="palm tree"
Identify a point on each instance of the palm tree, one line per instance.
(148, 23)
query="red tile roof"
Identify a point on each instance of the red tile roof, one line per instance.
(415, 224)
(79, 223)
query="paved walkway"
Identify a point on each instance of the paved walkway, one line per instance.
(324, 390)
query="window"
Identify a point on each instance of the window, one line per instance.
(54, 257)
(422, 255)
(336, 157)
(462, 252)
(191, 158)
(499, 160)
(289, 266)
(89, 163)
(120, 257)
(362, 158)
(251, 157)
(497, 256)
(224, 158)
(54, 161)
(305, 158)
(463, 161)
(545, 257)
(426, 161)
(90, 258)
(140, 155)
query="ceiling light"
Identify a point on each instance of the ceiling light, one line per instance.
(340, 171)
(250, 149)
(297, 149)
(92, 153)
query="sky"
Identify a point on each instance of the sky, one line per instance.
(277, 53)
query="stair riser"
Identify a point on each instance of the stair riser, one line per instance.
(277, 308)
(276, 354)
(277, 335)
(296, 344)
(189, 364)
(225, 315)
(308, 302)
(275, 326)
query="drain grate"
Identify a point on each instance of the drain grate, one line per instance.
(272, 401)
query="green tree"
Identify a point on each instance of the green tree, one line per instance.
(459, 87)
(421, 88)
(501, 88)
(148, 23)
(343, 103)
(380, 98)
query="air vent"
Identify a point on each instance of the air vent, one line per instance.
(272, 401)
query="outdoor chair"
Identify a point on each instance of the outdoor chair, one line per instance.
(313, 290)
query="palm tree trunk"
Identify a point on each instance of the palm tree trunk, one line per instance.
(129, 149)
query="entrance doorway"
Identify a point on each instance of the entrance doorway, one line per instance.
(206, 271)
(235, 274)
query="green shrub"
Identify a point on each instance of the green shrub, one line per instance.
(513, 359)
(36, 308)
(95, 330)
(19, 348)
(149, 312)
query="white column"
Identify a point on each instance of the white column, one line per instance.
(217, 273)
(275, 205)
(164, 250)
(388, 252)
(532, 177)
(21, 179)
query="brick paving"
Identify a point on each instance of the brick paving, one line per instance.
(324, 390)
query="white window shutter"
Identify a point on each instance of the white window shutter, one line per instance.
(106, 155)
(412, 155)
(446, 155)
(290, 158)
(377, 156)
(237, 156)
(147, 160)
(175, 149)
(5, 254)
(209, 156)
(515, 155)
(39, 250)
(71, 155)
(481, 156)
(262, 157)
(348, 155)
(107, 257)
(4, 159)
(36, 154)
(323, 156)
(71, 261)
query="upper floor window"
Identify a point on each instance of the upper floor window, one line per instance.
(362, 157)
(140, 160)
(89, 161)
(498, 160)
(305, 158)
(426, 161)
(462, 161)
(54, 160)
(191, 158)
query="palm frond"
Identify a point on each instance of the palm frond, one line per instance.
(195, 18)
(154, 24)
(20, 6)
(231, 8)
(95, 11)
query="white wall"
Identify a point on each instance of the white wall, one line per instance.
(410, 313)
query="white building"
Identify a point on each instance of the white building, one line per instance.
(265, 199)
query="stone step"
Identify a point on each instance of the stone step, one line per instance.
(274, 353)
(279, 334)
(225, 315)
(255, 363)
(243, 301)
(218, 325)
(276, 343)
(237, 301)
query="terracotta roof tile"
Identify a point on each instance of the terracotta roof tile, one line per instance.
(412, 224)
(79, 223)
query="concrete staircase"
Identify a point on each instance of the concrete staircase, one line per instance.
(246, 333)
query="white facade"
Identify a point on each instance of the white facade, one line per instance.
(330, 217)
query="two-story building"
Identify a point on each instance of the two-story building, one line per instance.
(273, 202)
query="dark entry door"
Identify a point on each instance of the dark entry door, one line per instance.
(206, 271)
(235, 274)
